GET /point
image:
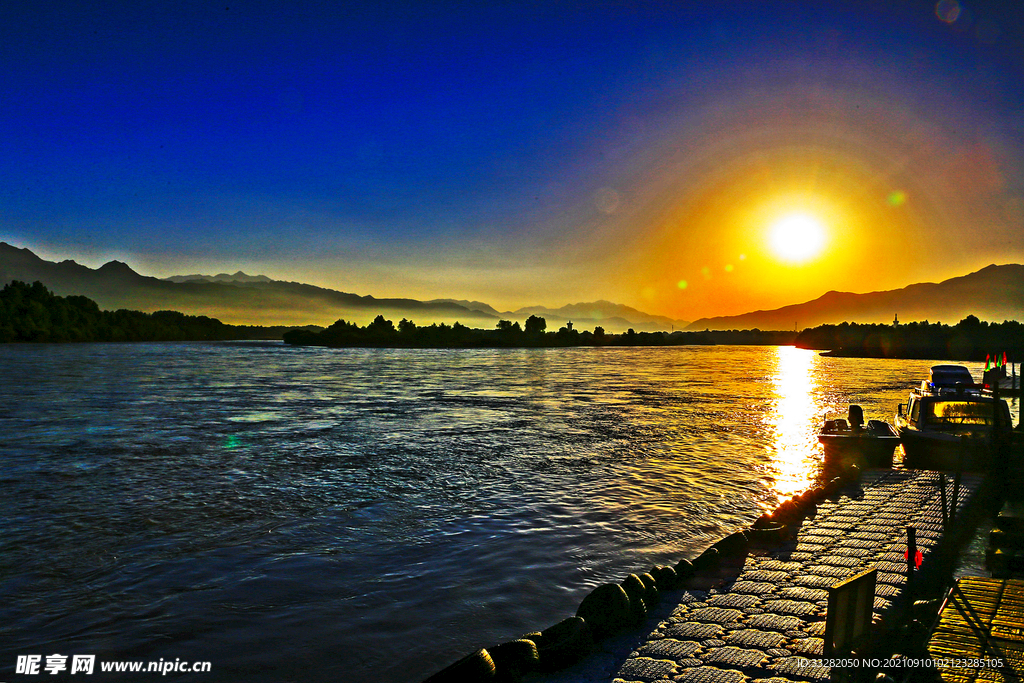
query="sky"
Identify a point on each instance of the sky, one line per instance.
(521, 153)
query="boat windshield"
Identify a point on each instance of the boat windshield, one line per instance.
(954, 413)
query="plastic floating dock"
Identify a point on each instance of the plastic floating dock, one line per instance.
(765, 619)
(980, 634)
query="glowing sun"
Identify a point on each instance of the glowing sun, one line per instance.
(797, 237)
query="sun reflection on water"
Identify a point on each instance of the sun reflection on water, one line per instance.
(794, 421)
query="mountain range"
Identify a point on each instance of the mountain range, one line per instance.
(257, 299)
(994, 293)
(222, 277)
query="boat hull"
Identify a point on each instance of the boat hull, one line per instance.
(864, 450)
(925, 450)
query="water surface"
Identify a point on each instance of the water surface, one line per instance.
(348, 514)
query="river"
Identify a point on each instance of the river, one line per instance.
(308, 514)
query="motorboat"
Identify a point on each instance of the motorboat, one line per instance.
(850, 441)
(951, 423)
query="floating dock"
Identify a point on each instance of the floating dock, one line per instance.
(763, 617)
(980, 633)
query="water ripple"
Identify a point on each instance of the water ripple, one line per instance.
(373, 514)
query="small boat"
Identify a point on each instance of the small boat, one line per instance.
(852, 442)
(951, 423)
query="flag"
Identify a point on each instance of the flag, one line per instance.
(1004, 359)
(988, 361)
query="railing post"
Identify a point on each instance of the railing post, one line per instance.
(942, 496)
(911, 562)
(956, 480)
(995, 464)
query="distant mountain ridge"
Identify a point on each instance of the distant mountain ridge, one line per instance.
(258, 299)
(221, 277)
(994, 293)
(583, 314)
(601, 310)
(115, 285)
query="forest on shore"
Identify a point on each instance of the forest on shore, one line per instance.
(32, 313)
(507, 334)
(968, 340)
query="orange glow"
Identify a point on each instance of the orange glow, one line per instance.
(870, 186)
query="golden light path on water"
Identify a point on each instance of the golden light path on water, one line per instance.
(795, 449)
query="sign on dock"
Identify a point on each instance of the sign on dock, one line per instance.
(848, 618)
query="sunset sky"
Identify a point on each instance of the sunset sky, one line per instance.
(521, 153)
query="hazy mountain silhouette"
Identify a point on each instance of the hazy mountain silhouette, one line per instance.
(257, 299)
(221, 277)
(471, 305)
(611, 316)
(994, 293)
(583, 313)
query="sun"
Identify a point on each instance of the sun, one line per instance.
(797, 237)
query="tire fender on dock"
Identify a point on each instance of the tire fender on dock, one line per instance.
(635, 589)
(514, 659)
(606, 609)
(474, 667)
(565, 643)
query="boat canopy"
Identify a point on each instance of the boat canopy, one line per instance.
(949, 376)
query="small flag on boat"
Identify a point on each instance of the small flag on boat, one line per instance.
(918, 558)
(988, 361)
(1004, 359)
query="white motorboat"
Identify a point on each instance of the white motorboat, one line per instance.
(950, 422)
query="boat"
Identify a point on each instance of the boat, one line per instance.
(952, 423)
(850, 441)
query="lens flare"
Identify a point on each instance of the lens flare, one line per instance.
(947, 10)
(897, 198)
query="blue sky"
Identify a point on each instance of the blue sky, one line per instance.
(517, 153)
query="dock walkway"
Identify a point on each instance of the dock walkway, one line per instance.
(765, 619)
(980, 634)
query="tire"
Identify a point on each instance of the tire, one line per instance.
(565, 643)
(606, 609)
(709, 559)
(514, 659)
(635, 589)
(665, 577)
(470, 669)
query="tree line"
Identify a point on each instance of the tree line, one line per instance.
(968, 340)
(32, 313)
(533, 333)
